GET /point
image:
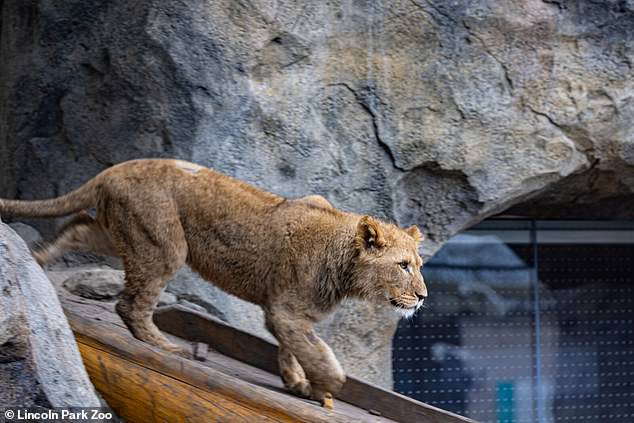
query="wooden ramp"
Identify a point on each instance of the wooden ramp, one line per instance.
(236, 381)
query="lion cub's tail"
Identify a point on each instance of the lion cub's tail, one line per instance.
(82, 198)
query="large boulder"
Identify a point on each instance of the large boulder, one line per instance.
(40, 364)
(423, 112)
(96, 284)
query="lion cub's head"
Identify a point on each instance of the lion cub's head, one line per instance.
(388, 265)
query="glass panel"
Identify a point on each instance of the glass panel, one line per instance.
(497, 344)
(591, 289)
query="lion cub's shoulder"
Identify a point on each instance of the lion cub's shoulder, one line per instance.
(316, 201)
(188, 167)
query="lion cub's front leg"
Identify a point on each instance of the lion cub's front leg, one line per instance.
(301, 349)
(292, 373)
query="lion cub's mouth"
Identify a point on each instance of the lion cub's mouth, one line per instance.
(406, 311)
(400, 305)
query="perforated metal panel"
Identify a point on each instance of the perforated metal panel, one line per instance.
(526, 325)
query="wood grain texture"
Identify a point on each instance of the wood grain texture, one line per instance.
(139, 394)
(237, 382)
(144, 384)
(250, 349)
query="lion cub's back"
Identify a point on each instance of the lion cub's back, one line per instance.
(186, 181)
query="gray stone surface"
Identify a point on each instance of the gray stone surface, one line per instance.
(167, 298)
(192, 306)
(40, 364)
(96, 284)
(29, 234)
(420, 111)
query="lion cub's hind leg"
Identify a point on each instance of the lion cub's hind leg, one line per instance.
(152, 246)
(136, 307)
(81, 233)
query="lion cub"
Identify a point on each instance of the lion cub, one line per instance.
(297, 259)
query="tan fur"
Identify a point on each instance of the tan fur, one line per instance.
(297, 259)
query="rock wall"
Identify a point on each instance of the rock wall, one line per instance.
(420, 111)
(40, 365)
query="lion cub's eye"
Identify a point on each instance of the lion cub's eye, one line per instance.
(404, 265)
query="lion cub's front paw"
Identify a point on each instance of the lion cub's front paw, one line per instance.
(328, 401)
(324, 398)
(324, 390)
(301, 388)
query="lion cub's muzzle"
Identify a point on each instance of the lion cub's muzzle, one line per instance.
(407, 302)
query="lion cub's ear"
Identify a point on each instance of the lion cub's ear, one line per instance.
(415, 233)
(369, 233)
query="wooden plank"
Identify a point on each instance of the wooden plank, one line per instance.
(200, 351)
(232, 342)
(139, 394)
(394, 405)
(129, 372)
(266, 379)
(227, 340)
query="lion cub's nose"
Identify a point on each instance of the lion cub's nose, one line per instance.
(421, 297)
